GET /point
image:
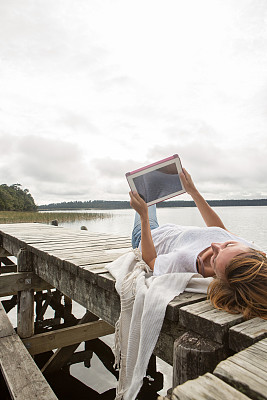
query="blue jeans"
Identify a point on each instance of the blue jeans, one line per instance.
(153, 222)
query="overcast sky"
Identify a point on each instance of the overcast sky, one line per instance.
(90, 90)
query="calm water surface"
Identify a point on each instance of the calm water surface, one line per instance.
(248, 222)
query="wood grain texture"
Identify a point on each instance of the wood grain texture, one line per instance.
(23, 378)
(194, 355)
(247, 370)
(25, 314)
(245, 334)
(203, 318)
(6, 327)
(206, 387)
(25, 310)
(11, 283)
(67, 336)
(4, 253)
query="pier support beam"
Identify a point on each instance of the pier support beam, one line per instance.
(25, 317)
(194, 355)
(47, 341)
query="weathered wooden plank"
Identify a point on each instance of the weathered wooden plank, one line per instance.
(203, 317)
(247, 370)
(164, 345)
(25, 314)
(106, 281)
(25, 310)
(77, 239)
(22, 376)
(92, 259)
(248, 332)
(13, 244)
(95, 268)
(74, 236)
(87, 253)
(70, 248)
(194, 355)
(186, 298)
(11, 283)
(67, 336)
(6, 327)
(4, 253)
(50, 241)
(207, 387)
(81, 288)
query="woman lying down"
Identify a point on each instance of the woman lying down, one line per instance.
(181, 258)
(239, 268)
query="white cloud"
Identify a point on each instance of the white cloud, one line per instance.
(91, 90)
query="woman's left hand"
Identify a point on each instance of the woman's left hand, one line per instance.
(138, 204)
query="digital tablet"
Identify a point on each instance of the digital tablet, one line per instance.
(158, 181)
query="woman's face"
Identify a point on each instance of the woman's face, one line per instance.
(222, 255)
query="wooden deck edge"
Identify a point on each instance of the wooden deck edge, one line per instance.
(23, 378)
(205, 387)
(247, 333)
(11, 283)
(246, 370)
(4, 253)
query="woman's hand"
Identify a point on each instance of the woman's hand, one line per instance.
(188, 182)
(138, 204)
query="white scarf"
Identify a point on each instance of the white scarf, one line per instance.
(144, 299)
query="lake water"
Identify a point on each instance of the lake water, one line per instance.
(248, 222)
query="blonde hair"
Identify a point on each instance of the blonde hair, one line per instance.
(244, 287)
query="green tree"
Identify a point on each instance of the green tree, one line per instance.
(13, 198)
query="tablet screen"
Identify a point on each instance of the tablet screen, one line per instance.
(158, 183)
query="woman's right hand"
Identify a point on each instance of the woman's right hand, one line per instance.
(138, 204)
(187, 182)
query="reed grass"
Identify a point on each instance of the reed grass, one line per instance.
(7, 217)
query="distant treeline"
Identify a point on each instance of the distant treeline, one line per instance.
(113, 205)
(13, 198)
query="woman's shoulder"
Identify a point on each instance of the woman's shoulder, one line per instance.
(231, 236)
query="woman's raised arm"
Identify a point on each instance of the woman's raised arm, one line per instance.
(149, 253)
(208, 214)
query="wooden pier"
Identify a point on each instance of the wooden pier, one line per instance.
(209, 349)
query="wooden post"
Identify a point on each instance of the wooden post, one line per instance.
(194, 355)
(25, 317)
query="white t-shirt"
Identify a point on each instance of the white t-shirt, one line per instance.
(178, 246)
